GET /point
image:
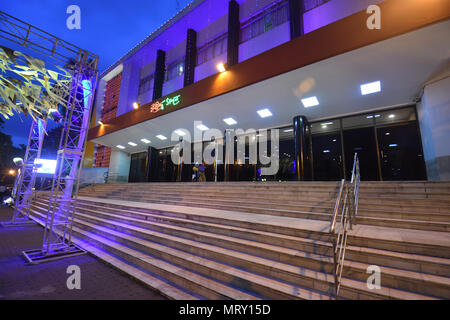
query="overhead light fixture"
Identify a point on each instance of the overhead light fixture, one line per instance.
(135, 105)
(391, 116)
(100, 122)
(326, 151)
(387, 133)
(310, 102)
(161, 137)
(145, 141)
(288, 130)
(369, 88)
(181, 68)
(221, 67)
(393, 145)
(120, 146)
(229, 121)
(132, 144)
(371, 116)
(264, 113)
(326, 123)
(202, 127)
(180, 132)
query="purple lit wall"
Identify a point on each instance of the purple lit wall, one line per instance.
(333, 11)
(264, 42)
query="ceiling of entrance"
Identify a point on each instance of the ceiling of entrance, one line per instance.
(402, 64)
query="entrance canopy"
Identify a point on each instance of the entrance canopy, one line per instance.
(402, 65)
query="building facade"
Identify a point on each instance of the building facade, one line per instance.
(335, 77)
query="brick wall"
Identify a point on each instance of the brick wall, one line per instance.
(109, 112)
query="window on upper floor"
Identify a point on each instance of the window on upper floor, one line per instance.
(311, 4)
(264, 21)
(145, 84)
(212, 49)
(174, 69)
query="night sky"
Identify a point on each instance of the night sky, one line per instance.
(109, 28)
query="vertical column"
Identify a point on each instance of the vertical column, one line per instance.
(296, 9)
(233, 33)
(191, 57)
(159, 74)
(302, 148)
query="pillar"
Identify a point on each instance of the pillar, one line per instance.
(302, 148)
(159, 74)
(434, 118)
(233, 33)
(190, 57)
(296, 9)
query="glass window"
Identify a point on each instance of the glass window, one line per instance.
(311, 4)
(212, 49)
(174, 69)
(326, 126)
(364, 120)
(396, 116)
(265, 21)
(145, 84)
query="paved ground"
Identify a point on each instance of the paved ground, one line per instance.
(48, 281)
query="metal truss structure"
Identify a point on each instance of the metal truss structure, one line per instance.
(27, 177)
(78, 99)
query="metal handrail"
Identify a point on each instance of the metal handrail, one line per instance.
(343, 218)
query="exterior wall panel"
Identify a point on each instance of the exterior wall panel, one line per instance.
(332, 11)
(264, 41)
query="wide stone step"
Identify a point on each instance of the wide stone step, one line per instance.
(405, 261)
(287, 272)
(180, 238)
(152, 281)
(180, 276)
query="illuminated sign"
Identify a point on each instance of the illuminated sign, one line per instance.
(45, 166)
(169, 101)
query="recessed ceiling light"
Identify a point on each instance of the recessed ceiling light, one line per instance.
(310, 102)
(229, 121)
(393, 145)
(120, 147)
(145, 141)
(387, 133)
(180, 132)
(161, 137)
(132, 144)
(202, 127)
(264, 113)
(326, 151)
(391, 116)
(288, 130)
(327, 123)
(371, 87)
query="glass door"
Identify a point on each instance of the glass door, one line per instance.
(327, 157)
(401, 153)
(361, 141)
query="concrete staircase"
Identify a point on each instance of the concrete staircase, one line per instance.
(267, 240)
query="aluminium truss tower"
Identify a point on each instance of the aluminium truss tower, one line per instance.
(26, 178)
(57, 241)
